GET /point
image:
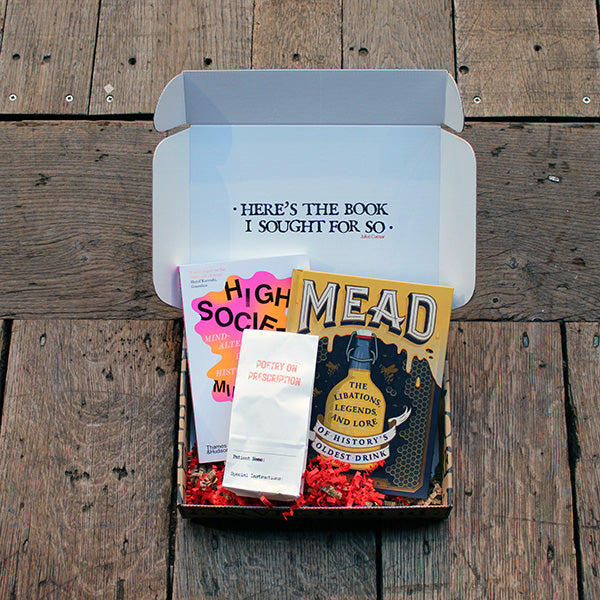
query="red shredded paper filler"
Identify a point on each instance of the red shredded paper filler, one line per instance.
(326, 483)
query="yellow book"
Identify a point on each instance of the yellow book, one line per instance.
(379, 373)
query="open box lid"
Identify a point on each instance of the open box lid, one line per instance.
(351, 167)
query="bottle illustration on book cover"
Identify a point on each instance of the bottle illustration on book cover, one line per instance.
(379, 373)
(356, 406)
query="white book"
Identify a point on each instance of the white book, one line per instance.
(220, 301)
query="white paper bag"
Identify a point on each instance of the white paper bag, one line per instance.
(270, 416)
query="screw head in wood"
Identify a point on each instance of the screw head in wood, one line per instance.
(109, 98)
(69, 98)
(477, 100)
(12, 97)
(586, 100)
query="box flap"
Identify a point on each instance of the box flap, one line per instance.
(311, 97)
(457, 236)
(352, 168)
(170, 236)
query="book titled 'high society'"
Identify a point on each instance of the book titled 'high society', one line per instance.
(220, 301)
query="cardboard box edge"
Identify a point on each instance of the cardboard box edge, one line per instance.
(211, 513)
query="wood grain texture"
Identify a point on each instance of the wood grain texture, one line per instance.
(76, 214)
(537, 222)
(142, 45)
(583, 351)
(297, 35)
(536, 58)
(47, 56)
(237, 564)
(417, 562)
(510, 534)
(398, 34)
(76, 218)
(86, 452)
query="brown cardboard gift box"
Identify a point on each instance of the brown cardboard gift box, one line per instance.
(431, 509)
(388, 130)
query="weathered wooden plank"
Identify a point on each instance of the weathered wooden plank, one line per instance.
(76, 220)
(142, 45)
(86, 452)
(75, 211)
(398, 34)
(273, 565)
(47, 56)
(537, 222)
(583, 351)
(511, 531)
(528, 58)
(297, 35)
(417, 562)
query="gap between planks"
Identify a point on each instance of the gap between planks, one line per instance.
(582, 376)
(5, 332)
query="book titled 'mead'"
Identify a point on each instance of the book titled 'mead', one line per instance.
(379, 375)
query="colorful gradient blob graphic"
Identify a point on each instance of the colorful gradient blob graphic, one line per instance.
(259, 302)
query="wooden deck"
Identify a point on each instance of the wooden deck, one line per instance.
(89, 355)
